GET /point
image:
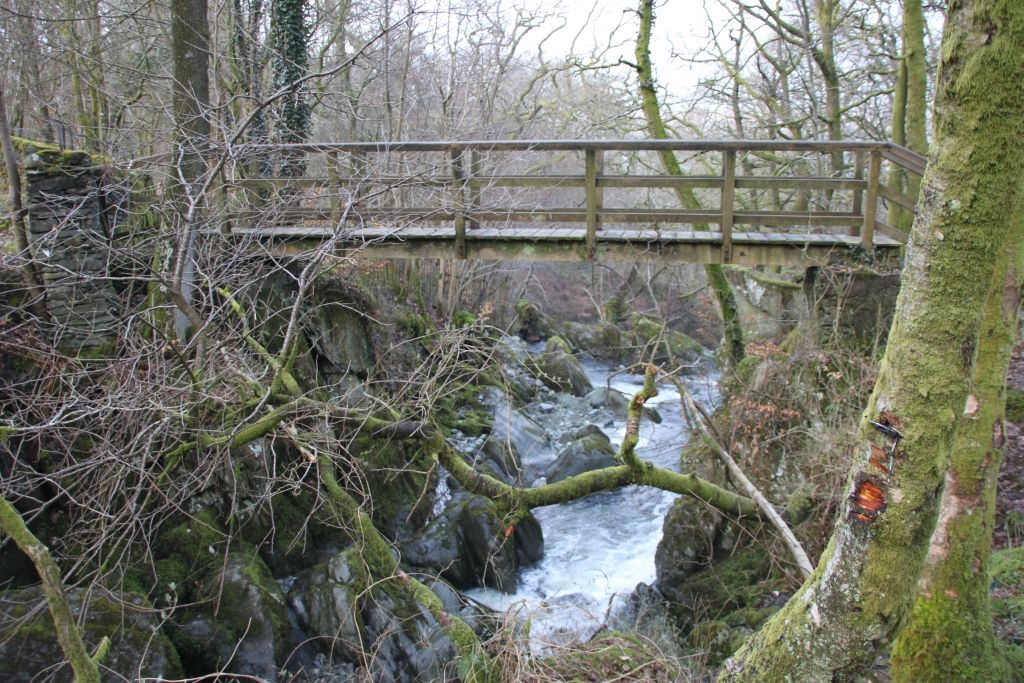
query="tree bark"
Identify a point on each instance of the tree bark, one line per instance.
(733, 332)
(909, 109)
(66, 629)
(190, 54)
(950, 635)
(863, 588)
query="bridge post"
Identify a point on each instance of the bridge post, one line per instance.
(858, 194)
(475, 164)
(728, 201)
(458, 201)
(594, 162)
(867, 232)
(334, 186)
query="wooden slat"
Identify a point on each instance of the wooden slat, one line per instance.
(906, 158)
(886, 230)
(458, 203)
(906, 201)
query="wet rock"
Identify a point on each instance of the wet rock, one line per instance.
(534, 324)
(589, 450)
(601, 340)
(468, 546)
(618, 404)
(29, 651)
(338, 329)
(560, 370)
(525, 439)
(248, 632)
(687, 544)
(406, 650)
(656, 343)
(324, 601)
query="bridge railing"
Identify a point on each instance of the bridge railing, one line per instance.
(598, 185)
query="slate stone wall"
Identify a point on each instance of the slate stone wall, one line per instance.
(69, 237)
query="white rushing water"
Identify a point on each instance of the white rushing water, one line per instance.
(598, 549)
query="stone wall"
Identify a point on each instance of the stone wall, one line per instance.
(69, 237)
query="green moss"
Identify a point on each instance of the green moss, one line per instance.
(235, 599)
(463, 319)
(52, 159)
(396, 475)
(189, 550)
(733, 584)
(412, 324)
(463, 410)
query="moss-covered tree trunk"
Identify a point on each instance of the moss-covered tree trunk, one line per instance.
(734, 345)
(864, 586)
(65, 627)
(909, 108)
(950, 635)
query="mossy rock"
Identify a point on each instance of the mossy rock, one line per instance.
(601, 339)
(288, 531)
(30, 652)
(187, 552)
(613, 655)
(741, 589)
(463, 410)
(559, 369)
(660, 345)
(396, 474)
(534, 324)
(591, 449)
(241, 625)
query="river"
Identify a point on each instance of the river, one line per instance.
(598, 549)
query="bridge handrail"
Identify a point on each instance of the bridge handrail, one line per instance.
(462, 179)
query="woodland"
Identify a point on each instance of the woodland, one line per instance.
(226, 457)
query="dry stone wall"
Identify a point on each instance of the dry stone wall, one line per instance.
(69, 237)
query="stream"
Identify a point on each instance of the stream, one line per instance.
(599, 548)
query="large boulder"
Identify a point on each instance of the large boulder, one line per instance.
(29, 650)
(560, 370)
(515, 437)
(338, 330)
(589, 450)
(659, 344)
(325, 603)
(690, 535)
(341, 616)
(601, 339)
(617, 403)
(534, 325)
(470, 544)
(241, 626)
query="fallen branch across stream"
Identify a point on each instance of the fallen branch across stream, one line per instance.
(703, 422)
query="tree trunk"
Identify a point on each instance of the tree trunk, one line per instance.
(190, 54)
(950, 635)
(909, 109)
(734, 345)
(864, 586)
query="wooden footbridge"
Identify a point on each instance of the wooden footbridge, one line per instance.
(772, 202)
